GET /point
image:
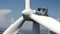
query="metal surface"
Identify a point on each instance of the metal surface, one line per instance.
(27, 13)
(14, 27)
(48, 22)
(27, 4)
(36, 28)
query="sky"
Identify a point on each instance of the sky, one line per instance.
(13, 8)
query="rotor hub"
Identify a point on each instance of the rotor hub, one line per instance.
(26, 13)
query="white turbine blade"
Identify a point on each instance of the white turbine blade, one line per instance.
(27, 4)
(48, 22)
(14, 27)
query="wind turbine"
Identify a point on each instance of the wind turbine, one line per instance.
(28, 14)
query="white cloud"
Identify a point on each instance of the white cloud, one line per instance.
(3, 12)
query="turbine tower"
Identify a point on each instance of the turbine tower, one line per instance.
(28, 14)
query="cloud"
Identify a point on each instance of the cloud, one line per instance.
(3, 12)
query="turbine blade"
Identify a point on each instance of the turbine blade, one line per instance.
(15, 27)
(27, 4)
(48, 22)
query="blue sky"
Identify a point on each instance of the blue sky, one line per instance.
(16, 7)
